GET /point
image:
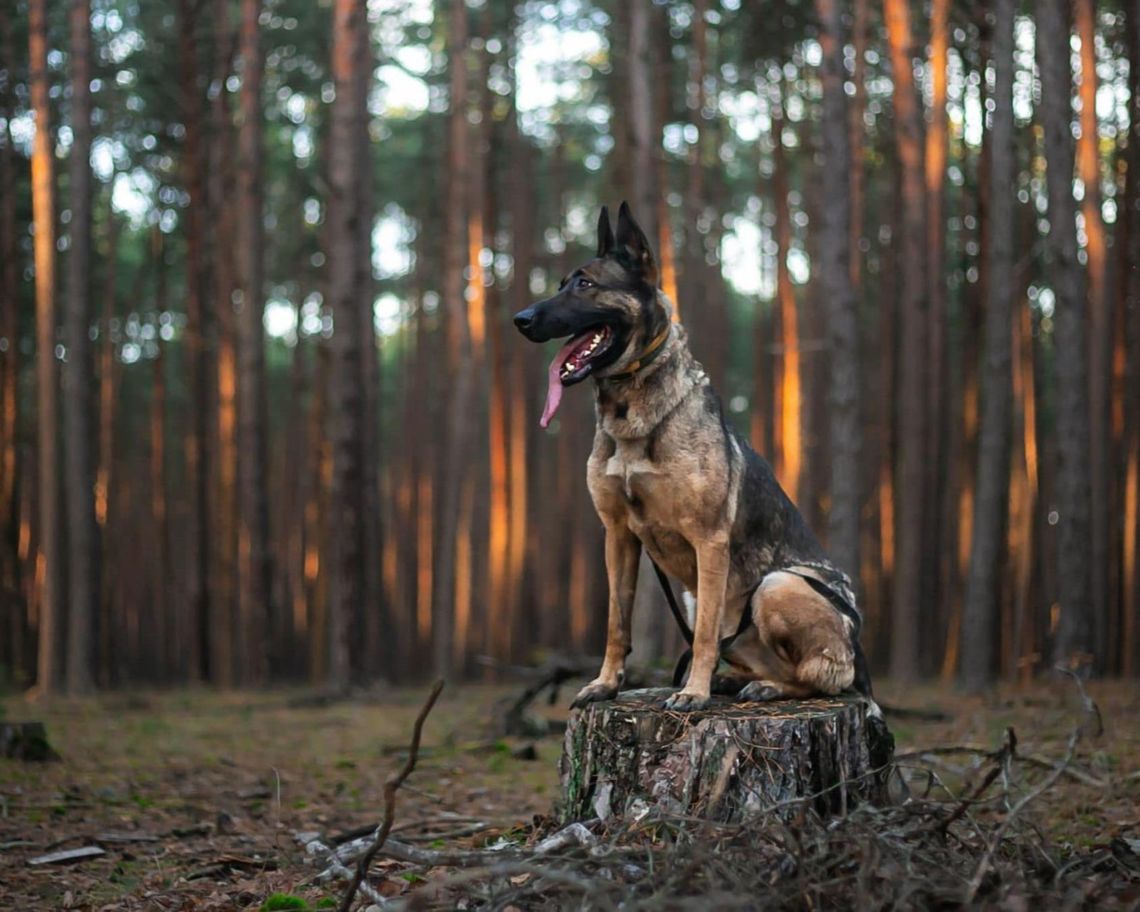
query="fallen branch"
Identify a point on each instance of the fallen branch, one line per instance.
(390, 788)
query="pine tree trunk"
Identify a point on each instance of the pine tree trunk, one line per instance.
(253, 506)
(842, 319)
(196, 448)
(906, 603)
(77, 373)
(346, 399)
(11, 610)
(728, 763)
(789, 396)
(1099, 331)
(48, 674)
(1074, 630)
(980, 631)
(458, 418)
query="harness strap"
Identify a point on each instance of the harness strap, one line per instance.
(862, 682)
(686, 658)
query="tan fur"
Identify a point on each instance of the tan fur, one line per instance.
(663, 476)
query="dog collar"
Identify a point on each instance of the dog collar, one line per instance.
(646, 357)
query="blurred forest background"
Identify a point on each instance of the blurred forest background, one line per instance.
(264, 417)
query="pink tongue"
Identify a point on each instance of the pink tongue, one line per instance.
(554, 382)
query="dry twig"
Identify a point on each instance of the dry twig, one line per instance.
(390, 788)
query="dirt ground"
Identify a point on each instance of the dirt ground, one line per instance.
(195, 797)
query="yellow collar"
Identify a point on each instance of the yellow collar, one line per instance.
(647, 356)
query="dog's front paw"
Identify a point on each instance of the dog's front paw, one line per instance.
(594, 692)
(759, 692)
(686, 701)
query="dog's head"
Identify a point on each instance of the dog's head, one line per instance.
(609, 307)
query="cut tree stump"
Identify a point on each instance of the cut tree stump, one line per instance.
(25, 741)
(727, 763)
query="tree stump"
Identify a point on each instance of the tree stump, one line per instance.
(727, 763)
(26, 741)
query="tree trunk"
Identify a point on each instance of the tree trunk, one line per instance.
(789, 398)
(196, 448)
(1073, 639)
(842, 319)
(980, 631)
(77, 373)
(43, 213)
(459, 346)
(936, 370)
(906, 603)
(11, 259)
(728, 763)
(1099, 328)
(643, 143)
(253, 509)
(346, 401)
(223, 520)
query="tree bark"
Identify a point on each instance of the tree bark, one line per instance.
(77, 372)
(936, 367)
(1099, 328)
(789, 395)
(728, 763)
(47, 380)
(906, 603)
(223, 519)
(842, 319)
(459, 349)
(1073, 637)
(346, 287)
(253, 510)
(980, 630)
(196, 449)
(11, 258)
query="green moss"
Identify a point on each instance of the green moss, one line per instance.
(280, 902)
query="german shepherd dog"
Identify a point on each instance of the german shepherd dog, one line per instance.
(668, 473)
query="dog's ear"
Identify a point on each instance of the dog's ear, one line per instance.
(633, 246)
(605, 233)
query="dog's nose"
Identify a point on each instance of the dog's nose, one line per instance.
(524, 319)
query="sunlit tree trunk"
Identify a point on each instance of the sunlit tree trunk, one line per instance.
(1099, 327)
(459, 348)
(1074, 628)
(196, 449)
(789, 397)
(48, 675)
(906, 603)
(253, 510)
(980, 631)
(223, 571)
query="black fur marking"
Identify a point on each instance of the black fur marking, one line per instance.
(621, 410)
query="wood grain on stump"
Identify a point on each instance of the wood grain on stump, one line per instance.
(728, 762)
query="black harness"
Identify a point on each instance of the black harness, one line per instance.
(862, 682)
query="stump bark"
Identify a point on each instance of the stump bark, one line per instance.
(729, 762)
(26, 741)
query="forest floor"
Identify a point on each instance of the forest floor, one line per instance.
(195, 796)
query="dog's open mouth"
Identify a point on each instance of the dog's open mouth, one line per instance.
(573, 364)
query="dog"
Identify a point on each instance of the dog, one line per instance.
(669, 474)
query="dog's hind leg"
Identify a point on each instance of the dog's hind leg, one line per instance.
(810, 637)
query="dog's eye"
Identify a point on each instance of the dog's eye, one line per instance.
(583, 282)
